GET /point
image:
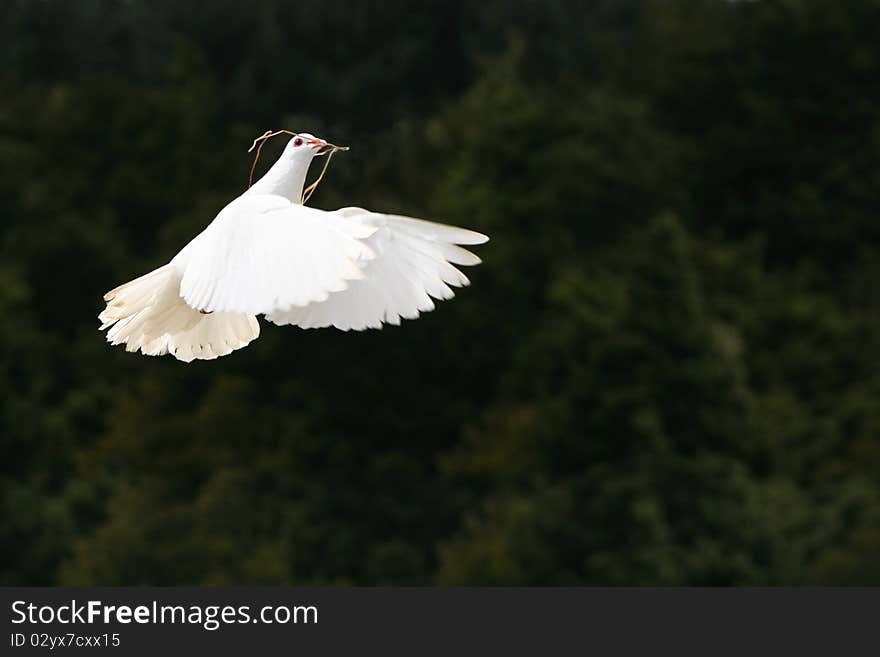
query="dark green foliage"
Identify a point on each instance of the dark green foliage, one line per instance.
(664, 373)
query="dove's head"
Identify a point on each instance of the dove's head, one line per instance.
(305, 146)
(287, 176)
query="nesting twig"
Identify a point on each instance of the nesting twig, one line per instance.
(308, 191)
(260, 141)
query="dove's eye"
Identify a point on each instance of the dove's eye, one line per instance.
(298, 142)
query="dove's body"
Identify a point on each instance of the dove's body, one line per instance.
(265, 253)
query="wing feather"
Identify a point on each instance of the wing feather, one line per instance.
(412, 265)
(264, 254)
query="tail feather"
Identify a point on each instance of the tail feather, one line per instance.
(148, 314)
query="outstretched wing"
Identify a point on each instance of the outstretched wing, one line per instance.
(412, 264)
(264, 254)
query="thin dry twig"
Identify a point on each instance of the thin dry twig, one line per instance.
(308, 191)
(260, 141)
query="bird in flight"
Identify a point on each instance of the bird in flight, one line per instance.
(266, 253)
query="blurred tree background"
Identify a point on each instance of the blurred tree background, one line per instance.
(666, 371)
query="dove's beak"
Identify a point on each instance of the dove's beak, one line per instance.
(327, 146)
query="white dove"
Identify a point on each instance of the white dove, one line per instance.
(266, 253)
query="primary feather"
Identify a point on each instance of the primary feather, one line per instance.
(411, 264)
